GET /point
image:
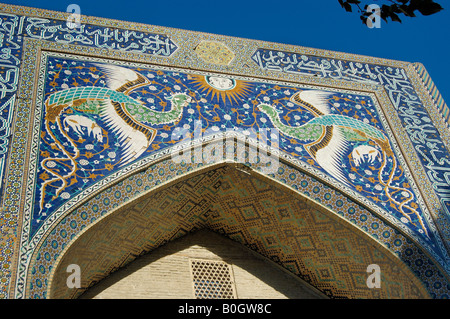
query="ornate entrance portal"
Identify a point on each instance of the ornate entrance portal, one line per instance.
(314, 160)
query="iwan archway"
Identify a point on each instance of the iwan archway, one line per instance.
(275, 221)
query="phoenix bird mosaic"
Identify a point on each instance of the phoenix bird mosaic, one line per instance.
(113, 108)
(99, 118)
(327, 139)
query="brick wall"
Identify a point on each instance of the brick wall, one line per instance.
(166, 272)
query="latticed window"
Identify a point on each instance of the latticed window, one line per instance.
(212, 279)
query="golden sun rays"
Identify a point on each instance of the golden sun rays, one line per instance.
(224, 88)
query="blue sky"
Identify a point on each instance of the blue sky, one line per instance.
(317, 24)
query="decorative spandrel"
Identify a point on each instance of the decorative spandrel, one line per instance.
(100, 117)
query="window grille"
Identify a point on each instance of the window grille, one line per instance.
(212, 279)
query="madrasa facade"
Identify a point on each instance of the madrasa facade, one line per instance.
(139, 161)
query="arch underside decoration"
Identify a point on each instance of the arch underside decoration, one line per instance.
(263, 215)
(117, 151)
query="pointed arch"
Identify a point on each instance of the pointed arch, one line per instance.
(301, 235)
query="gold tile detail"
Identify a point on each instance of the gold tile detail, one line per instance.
(214, 52)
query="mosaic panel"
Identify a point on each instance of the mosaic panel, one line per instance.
(214, 52)
(86, 121)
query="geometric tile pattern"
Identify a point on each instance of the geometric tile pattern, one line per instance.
(212, 279)
(270, 219)
(214, 52)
